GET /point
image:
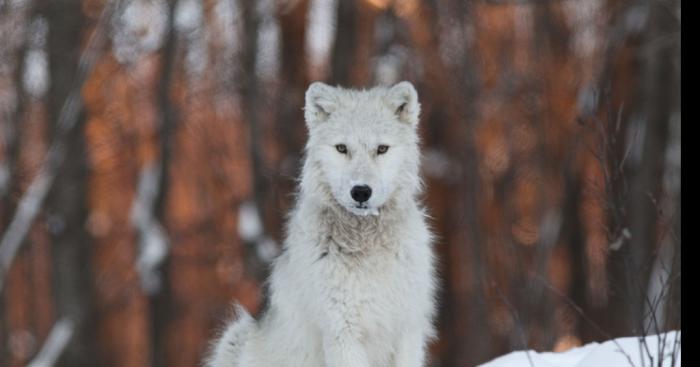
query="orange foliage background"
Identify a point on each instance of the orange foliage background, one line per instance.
(551, 141)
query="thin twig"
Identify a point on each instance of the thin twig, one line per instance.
(518, 324)
(583, 315)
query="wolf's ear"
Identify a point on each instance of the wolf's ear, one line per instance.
(403, 100)
(321, 101)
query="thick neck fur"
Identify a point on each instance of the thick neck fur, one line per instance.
(319, 212)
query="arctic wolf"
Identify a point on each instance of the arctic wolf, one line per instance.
(355, 284)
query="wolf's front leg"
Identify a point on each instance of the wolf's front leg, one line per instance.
(344, 350)
(411, 350)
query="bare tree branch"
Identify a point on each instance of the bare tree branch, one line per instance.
(33, 199)
(55, 344)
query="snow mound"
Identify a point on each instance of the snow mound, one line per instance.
(622, 352)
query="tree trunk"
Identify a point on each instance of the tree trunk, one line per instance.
(66, 205)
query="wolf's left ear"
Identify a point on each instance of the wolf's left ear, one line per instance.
(403, 100)
(321, 101)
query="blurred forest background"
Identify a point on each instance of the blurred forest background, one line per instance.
(148, 151)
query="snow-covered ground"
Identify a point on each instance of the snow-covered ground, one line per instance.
(623, 352)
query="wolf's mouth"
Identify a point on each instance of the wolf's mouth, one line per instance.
(363, 210)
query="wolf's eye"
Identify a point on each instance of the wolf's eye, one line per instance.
(382, 149)
(341, 148)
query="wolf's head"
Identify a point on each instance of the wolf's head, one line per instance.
(363, 145)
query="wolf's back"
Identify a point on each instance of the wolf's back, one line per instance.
(227, 350)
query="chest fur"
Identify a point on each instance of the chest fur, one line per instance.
(374, 281)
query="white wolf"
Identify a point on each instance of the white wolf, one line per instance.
(355, 284)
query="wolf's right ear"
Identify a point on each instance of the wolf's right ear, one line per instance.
(320, 102)
(403, 100)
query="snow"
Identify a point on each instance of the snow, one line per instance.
(622, 352)
(188, 15)
(189, 22)
(584, 16)
(153, 240)
(36, 64)
(266, 248)
(249, 224)
(36, 75)
(138, 29)
(250, 229)
(321, 23)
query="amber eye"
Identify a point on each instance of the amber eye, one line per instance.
(382, 149)
(341, 148)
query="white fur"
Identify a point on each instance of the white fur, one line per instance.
(354, 286)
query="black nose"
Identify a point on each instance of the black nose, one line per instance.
(361, 193)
